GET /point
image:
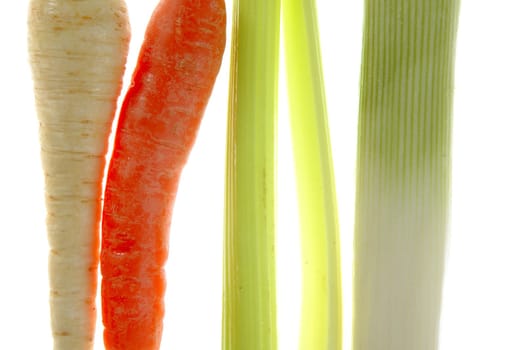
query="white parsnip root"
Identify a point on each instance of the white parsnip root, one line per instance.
(77, 51)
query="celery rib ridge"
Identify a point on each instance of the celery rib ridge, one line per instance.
(321, 305)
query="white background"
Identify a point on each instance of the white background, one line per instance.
(485, 290)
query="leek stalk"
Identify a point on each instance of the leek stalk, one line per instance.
(403, 172)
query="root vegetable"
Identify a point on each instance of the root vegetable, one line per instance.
(77, 53)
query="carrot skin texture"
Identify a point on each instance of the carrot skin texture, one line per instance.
(159, 120)
(77, 52)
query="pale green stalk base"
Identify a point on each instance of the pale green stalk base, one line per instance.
(403, 173)
(249, 300)
(321, 311)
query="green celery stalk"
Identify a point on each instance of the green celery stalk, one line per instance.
(403, 172)
(321, 319)
(249, 296)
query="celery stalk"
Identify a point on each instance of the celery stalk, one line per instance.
(249, 300)
(321, 299)
(403, 172)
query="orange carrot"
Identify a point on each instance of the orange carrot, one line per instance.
(161, 113)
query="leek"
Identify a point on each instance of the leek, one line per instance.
(321, 301)
(249, 300)
(403, 172)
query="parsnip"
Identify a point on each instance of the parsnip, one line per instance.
(77, 52)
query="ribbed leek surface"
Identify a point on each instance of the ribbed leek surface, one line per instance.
(403, 172)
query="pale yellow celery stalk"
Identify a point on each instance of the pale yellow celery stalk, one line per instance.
(403, 172)
(249, 300)
(321, 300)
